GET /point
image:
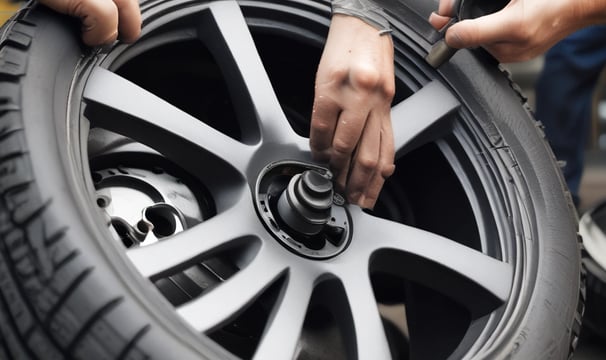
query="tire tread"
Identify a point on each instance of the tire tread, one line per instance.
(42, 272)
(576, 326)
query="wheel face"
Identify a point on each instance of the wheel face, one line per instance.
(255, 134)
(188, 132)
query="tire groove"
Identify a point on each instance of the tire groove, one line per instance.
(33, 216)
(17, 188)
(44, 323)
(8, 133)
(19, 293)
(61, 263)
(55, 238)
(12, 156)
(98, 315)
(29, 332)
(581, 302)
(65, 295)
(133, 342)
(11, 320)
(15, 276)
(26, 273)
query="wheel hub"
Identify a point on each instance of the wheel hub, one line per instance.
(145, 206)
(298, 206)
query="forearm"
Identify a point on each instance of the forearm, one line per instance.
(592, 11)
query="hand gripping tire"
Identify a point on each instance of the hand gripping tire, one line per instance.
(472, 251)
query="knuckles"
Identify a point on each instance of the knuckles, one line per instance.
(373, 80)
(342, 146)
(365, 77)
(367, 164)
(387, 169)
(320, 125)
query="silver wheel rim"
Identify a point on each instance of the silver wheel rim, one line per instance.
(479, 275)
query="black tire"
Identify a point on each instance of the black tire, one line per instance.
(66, 291)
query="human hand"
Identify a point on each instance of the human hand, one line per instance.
(523, 29)
(351, 121)
(103, 21)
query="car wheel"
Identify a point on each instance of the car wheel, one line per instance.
(157, 199)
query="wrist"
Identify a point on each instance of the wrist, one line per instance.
(365, 10)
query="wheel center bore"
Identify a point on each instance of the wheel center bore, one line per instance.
(145, 206)
(298, 206)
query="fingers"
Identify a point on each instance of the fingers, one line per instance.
(99, 21)
(373, 161)
(365, 161)
(129, 20)
(506, 37)
(354, 89)
(347, 134)
(446, 8)
(102, 19)
(352, 142)
(470, 33)
(323, 124)
(445, 12)
(438, 21)
(384, 169)
(483, 30)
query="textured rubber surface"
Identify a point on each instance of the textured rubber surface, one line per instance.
(558, 257)
(575, 329)
(50, 304)
(59, 298)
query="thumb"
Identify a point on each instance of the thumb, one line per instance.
(481, 31)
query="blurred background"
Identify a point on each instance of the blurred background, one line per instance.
(593, 183)
(7, 8)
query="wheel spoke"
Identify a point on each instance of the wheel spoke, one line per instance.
(422, 117)
(119, 105)
(476, 280)
(284, 329)
(193, 245)
(227, 36)
(230, 298)
(370, 339)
